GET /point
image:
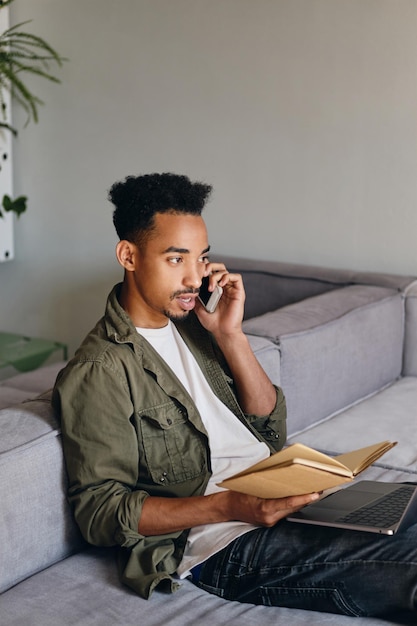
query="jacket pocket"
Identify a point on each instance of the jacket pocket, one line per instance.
(173, 448)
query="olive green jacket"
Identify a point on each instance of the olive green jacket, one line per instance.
(130, 429)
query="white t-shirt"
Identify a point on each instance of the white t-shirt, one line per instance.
(233, 447)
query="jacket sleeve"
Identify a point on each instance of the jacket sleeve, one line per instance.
(272, 427)
(101, 452)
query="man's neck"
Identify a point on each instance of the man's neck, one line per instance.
(135, 311)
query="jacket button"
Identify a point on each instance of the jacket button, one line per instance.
(169, 421)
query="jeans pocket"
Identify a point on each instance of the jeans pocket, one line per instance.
(326, 599)
(215, 591)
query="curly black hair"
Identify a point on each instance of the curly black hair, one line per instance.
(138, 198)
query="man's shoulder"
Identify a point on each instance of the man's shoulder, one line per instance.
(111, 335)
(103, 345)
(100, 363)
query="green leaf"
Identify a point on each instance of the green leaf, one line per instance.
(8, 127)
(23, 54)
(18, 205)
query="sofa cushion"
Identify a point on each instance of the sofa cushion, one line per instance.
(21, 387)
(85, 590)
(268, 355)
(336, 348)
(11, 395)
(36, 525)
(388, 415)
(36, 381)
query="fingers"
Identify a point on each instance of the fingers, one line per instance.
(278, 509)
(268, 512)
(219, 274)
(213, 268)
(293, 503)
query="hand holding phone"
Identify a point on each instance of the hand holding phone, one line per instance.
(209, 299)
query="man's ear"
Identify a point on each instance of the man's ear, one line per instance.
(126, 252)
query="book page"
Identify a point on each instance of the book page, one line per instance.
(285, 481)
(287, 455)
(359, 460)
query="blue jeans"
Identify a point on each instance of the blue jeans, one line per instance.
(319, 569)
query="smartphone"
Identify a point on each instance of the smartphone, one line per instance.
(209, 299)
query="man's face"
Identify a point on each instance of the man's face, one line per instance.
(169, 269)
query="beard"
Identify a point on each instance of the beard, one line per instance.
(177, 317)
(182, 315)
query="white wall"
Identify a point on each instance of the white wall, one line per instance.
(301, 113)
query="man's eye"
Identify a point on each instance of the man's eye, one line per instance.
(175, 259)
(204, 259)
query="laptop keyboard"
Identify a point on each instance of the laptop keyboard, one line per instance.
(384, 512)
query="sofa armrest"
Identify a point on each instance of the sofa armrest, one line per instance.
(37, 527)
(336, 348)
(410, 331)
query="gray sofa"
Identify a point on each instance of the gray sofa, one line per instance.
(343, 345)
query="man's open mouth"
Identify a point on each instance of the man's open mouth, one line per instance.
(186, 301)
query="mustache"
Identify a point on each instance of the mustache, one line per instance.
(184, 292)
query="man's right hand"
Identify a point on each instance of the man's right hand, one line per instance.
(261, 512)
(167, 515)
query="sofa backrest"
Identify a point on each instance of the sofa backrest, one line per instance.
(335, 349)
(36, 524)
(271, 285)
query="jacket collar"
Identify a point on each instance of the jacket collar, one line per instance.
(119, 327)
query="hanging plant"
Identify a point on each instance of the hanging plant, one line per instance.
(22, 54)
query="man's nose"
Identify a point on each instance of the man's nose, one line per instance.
(193, 278)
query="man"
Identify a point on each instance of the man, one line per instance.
(163, 400)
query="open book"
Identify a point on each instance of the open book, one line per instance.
(298, 469)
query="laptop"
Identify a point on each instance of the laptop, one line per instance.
(366, 505)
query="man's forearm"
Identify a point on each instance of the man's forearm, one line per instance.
(162, 516)
(256, 394)
(167, 515)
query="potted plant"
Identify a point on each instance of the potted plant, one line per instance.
(22, 54)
